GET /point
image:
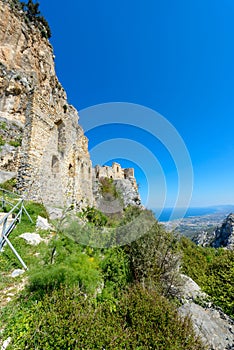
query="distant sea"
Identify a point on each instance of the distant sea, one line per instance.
(179, 213)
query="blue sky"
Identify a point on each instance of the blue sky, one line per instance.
(174, 57)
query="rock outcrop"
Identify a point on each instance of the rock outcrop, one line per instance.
(40, 138)
(222, 236)
(114, 188)
(52, 160)
(214, 327)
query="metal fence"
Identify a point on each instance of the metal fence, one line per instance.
(11, 218)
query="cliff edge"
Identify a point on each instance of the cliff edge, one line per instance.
(50, 154)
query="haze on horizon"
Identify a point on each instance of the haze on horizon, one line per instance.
(173, 57)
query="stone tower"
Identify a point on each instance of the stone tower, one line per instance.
(53, 164)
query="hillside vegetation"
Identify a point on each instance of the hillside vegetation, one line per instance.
(77, 296)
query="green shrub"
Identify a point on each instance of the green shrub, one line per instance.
(155, 260)
(15, 143)
(108, 188)
(3, 125)
(142, 319)
(94, 216)
(213, 270)
(2, 141)
(116, 272)
(9, 185)
(65, 263)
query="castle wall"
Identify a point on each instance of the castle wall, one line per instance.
(54, 162)
(115, 172)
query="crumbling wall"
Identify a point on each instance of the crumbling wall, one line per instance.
(54, 164)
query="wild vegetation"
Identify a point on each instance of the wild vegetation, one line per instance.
(213, 270)
(33, 15)
(82, 297)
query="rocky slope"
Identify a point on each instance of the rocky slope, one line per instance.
(40, 139)
(214, 327)
(222, 236)
(52, 162)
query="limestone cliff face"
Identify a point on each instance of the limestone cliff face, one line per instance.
(224, 235)
(52, 163)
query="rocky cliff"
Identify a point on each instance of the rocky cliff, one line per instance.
(51, 157)
(40, 138)
(222, 236)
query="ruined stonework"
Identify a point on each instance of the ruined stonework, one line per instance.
(115, 172)
(125, 185)
(53, 164)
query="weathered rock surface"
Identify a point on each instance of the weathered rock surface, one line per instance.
(53, 164)
(6, 175)
(44, 144)
(125, 184)
(222, 236)
(32, 238)
(17, 273)
(214, 327)
(42, 223)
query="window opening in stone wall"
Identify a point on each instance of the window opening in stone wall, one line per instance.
(71, 170)
(55, 165)
(61, 136)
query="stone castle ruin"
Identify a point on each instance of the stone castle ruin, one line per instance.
(42, 143)
(114, 172)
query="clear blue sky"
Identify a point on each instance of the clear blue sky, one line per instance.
(175, 57)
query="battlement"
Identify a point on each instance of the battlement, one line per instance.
(114, 172)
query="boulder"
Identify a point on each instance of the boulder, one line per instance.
(42, 223)
(32, 238)
(17, 273)
(215, 328)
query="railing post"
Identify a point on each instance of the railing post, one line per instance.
(16, 253)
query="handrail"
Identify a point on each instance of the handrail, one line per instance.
(6, 230)
(10, 192)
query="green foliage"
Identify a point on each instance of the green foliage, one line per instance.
(141, 320)
(9, 185)
(213, 270)
(33, 14)
(2, 141)
(94, 216)
(155, 260)
(65, 264)
(219, 283)
(3, 125)
(108, 188)
(15, 143)
(116, 272)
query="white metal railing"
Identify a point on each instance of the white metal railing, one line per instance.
(10, 220)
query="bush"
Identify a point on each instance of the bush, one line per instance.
(94, 216)
(9, 185)
(15, 143)
(65, 263)
(116, 272)
(213, 270)
(108, 188)
(67, 320)
(154, 260)
(2, 141)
